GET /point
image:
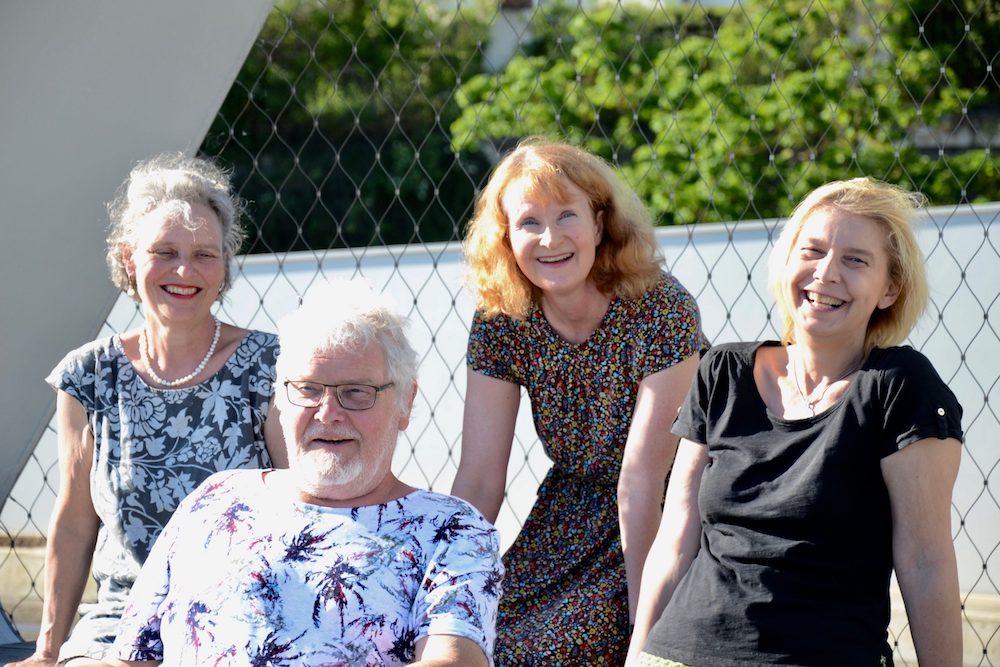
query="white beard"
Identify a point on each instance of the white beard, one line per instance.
(329, 477)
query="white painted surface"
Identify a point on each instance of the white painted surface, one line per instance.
(88, 88)
(714, 262)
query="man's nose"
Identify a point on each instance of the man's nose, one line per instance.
(329, 409)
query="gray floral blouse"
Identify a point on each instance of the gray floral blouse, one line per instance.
(151, 448)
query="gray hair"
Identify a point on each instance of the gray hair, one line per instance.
(348, 315)
(177, 180)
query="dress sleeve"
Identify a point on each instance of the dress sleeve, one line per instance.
(79, 374)
(670, 324)
(916, 403)
(491, 348)
(461, 587)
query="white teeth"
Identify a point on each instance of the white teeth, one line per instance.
(823, 300)
(552, 260)
(182, 291)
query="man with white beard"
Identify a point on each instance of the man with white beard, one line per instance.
(334, 561)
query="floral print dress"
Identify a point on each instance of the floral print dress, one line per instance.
(151, 448)
(242, 577)
(565, 596)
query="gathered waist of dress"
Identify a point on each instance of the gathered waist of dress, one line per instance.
(595, 479)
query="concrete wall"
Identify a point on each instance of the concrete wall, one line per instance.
(723, 265)
(88, 88)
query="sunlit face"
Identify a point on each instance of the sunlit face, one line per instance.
(837, 275)
(554, 242)
(177, 265)
(337, 454)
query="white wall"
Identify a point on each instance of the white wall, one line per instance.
(724, 266)
(88, 88)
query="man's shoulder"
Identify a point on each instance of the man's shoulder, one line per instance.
(435, 503)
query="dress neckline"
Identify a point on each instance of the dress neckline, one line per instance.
(120, 348)
(543, 324)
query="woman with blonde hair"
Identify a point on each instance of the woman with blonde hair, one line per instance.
(573, 305)
(811, 468)
(144, 416)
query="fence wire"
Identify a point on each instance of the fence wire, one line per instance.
(360, 133)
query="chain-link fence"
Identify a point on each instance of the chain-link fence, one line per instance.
(360, 132)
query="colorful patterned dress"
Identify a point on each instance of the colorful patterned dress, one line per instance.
(565, 596)
(151, 448)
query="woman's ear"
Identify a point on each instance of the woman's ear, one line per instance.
(127, 260)
(890, 296)
(599, 227)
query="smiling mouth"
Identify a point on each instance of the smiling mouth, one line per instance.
(332, 442)
(823, 300)
(555, 260)
(180, 291)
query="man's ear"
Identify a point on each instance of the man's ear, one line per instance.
(404, 415)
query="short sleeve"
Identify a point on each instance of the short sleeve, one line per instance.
(80, 374)
(916, 403)
(670, 324)
(462, 585)
(691, 421)
(491, 348)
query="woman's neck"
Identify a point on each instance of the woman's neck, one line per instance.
(575, 317)
(177, 346)
(820, 360)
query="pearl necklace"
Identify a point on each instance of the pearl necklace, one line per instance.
(144, 351)
(811, 404)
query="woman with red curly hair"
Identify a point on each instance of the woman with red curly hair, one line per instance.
(573, 305)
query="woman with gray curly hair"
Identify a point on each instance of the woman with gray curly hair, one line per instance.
(144, 416)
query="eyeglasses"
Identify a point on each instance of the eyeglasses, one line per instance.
(306, 394)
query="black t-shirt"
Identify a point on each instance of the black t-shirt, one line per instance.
(796, 550)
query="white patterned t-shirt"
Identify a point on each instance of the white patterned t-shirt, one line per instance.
(243, 577)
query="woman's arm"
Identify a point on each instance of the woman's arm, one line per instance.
(72, 532)
(920, 479)
(487, 435)
(274, 437)
(449, 651)
(677, 541)
(649, 453)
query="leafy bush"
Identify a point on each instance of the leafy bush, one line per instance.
(337, 124)
(356, 123)
(735, 113)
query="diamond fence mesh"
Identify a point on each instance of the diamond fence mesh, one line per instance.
(361, 131)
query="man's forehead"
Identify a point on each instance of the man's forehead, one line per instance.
(339, 360)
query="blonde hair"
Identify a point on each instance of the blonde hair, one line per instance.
(892, 208)
(627, 261)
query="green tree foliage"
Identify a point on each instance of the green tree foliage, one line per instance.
(337, 125)
(736, 113)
